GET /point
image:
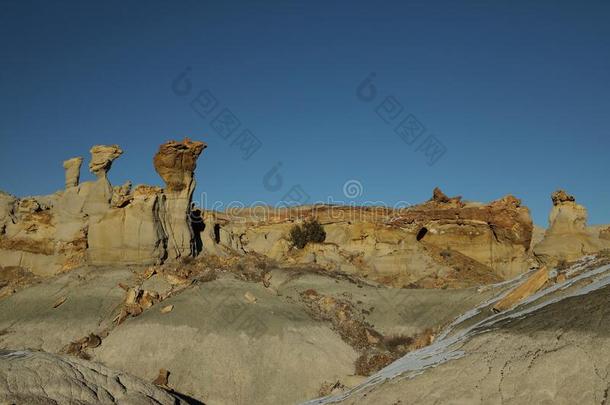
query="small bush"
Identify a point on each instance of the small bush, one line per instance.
(369, 363)
(398, 343)
(446, 253)
(562, 264)
(310, 231)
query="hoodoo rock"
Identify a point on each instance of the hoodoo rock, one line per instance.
(568, 236)
(95, 223)
(443, 242)
(72, 168)
(560, 196)
(176, 162)
(441, 198)
(102, 157)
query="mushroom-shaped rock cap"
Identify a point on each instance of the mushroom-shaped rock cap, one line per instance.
(560, 196)
(439, 197)
(102, 157)
(176, 161)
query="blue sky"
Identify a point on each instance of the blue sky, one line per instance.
(517, 93)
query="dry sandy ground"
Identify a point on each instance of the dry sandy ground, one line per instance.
(553, 349)
(233, 341)
(220, 347)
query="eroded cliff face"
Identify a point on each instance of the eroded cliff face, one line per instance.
(444, 242)
(568, 236)
(95, 223)
(497, 234)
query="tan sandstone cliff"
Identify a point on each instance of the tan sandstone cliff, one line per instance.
(444, 242)
(95, 223)
(568, 236)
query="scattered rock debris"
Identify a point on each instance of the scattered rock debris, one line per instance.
(250, 297)
(376, 351)
(162, 379)
(330, 388)
(60, 301)
(78, 347)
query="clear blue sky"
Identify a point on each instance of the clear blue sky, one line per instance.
(518, 92)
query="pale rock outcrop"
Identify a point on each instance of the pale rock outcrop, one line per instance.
(426, 245)
(27, 238)
(28, 377)
(121, 195)
(175, 162)
(567, 237)
(131, 234)
(72, 168)
(7, 207)
(98, 194)
(102, 157)
(96, 223)
(497, 234)
(439, 197)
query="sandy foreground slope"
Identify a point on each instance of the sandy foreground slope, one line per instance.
(553, 348)
(234, 341)
(219, 347)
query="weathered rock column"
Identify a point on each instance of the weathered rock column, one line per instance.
(72, 167)
(567, 237)
(175, 162)
(98, 197)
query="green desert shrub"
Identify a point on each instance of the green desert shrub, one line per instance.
(309, 231)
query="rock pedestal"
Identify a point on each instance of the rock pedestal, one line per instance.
(72, 167)
(567, 237)
(176, 162)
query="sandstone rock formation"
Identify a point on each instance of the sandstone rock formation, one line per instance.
(439, 197)
(247, 347)
(441, 243)
(40, 378)
(548, 351)
(497, 234)
(121, 195)
(604, 233)
(130, 234)
(96, 223)
(560, 196)
(176, 162)
(72, 167)
(567, 237)
(102, 157)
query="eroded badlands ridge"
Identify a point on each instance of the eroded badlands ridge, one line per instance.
(137, 279)
(442, 242)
